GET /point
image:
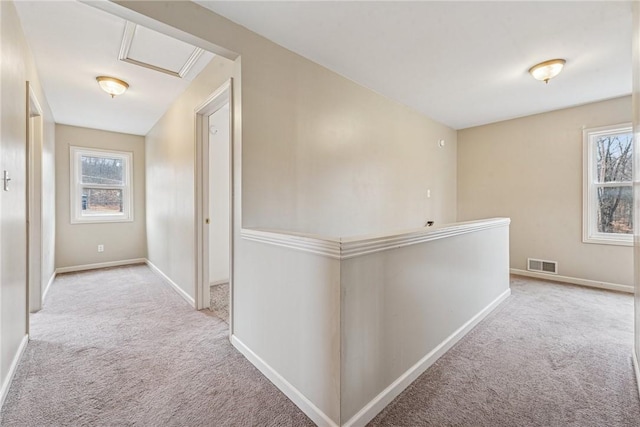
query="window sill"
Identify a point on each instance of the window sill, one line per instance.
(609, 240)
(100, 220)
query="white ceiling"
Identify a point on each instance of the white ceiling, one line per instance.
(73, 43)
(461, 63)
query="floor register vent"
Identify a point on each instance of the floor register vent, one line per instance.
(542, 266)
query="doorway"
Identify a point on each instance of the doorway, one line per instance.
(214, 203)
(34, 202)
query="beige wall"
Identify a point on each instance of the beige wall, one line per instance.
(17, 67)
(170, 163)
(76, 244)
(530, 169)
(321, 154)
(318, 154)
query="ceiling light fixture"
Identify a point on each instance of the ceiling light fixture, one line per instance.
(547, 70)
(112, 86)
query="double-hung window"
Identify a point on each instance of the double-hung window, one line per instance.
(101, 186)
(608, 190)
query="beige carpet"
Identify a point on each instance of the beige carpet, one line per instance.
(118, 347)
(219, 301)
(551, 355)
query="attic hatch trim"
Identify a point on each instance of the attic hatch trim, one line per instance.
(125, 47)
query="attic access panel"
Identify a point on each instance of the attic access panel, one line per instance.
(150, 49)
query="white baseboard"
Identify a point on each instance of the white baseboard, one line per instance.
(99, 265)
(311, 410)
(12, 370)
(378, 403)
(574, 280)
(49, 283)
(636, 367)
(173, 284)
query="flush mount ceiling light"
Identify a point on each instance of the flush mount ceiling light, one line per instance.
(547, 70)
(112, 86)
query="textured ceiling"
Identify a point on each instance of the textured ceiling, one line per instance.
(461, 63)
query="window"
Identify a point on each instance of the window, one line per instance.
(608, 191)
(101, 188)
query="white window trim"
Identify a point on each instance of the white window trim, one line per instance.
(590, 232)
(76, 185)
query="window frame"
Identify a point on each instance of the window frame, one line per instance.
(76, 186)
(590, 233)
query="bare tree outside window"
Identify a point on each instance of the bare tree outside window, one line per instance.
(613, 181)
(101, 170)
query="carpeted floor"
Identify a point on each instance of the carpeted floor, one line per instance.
(118, 347)
(551, 355)
(219, 301)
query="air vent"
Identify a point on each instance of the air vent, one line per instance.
(542, 266)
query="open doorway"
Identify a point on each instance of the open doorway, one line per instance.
(34, 202)
(213, 151)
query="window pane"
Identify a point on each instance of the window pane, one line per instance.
(614, 158)
(102, 170)
(615, 210)
(98, 201)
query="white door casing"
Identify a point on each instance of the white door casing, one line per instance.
(34, 201)
(221, 98)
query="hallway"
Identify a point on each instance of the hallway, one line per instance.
(120, 347)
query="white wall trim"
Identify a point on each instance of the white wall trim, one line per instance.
(206, 108)
(49, 283)
(173, 284)
(311, 410)
(222, 96)
(76, 186)
(590, 232)
(636, 366)
(99, 265)
(574, 280)
(305, 243)
(12, 370)
(358, 246)
(125, 48)
(378, 403)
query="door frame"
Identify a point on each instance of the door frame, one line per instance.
(221, 96)
(33, 188)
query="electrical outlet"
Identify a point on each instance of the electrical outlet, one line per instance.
(100, 248)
